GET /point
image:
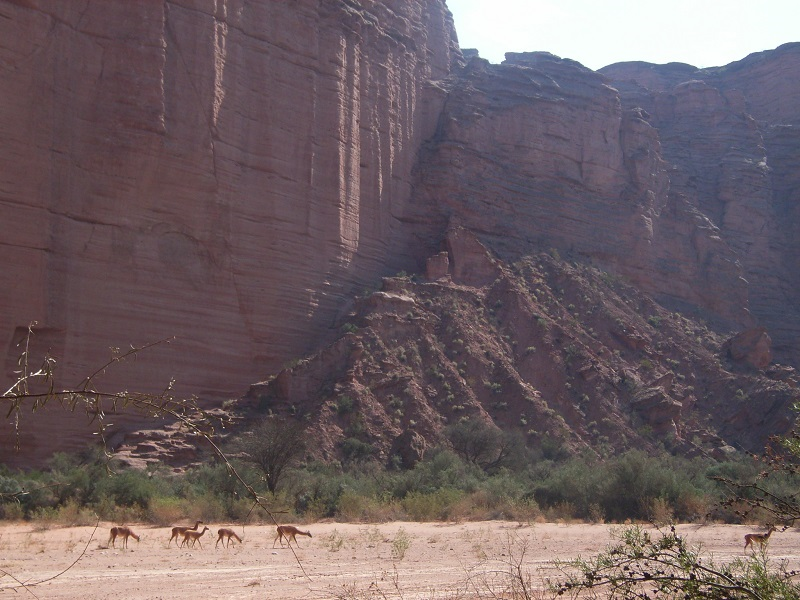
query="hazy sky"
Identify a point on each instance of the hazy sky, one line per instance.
(596, 33)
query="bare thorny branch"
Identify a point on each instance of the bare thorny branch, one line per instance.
(35, 389)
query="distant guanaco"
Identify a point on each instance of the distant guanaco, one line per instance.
(124, 533)
(751, 539)
(176, 531)
(289, 532)
(226, 533)
(194, 536)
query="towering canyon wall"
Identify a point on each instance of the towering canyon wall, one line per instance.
(228, 174)
(220, 172)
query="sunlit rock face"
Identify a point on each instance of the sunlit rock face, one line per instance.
(222, 173)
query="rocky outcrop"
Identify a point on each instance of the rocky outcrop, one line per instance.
(539, 153)
(752, 347)
(563, 356)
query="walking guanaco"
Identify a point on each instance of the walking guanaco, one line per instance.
(124, 533)
(194, 536)
(289, 532)
(226, 533)
(751, 539)
(179, 530)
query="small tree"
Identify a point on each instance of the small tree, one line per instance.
(273, 446)
(481, 444)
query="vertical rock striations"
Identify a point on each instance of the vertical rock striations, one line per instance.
(224, 172)
(730, 136)
(229, 174)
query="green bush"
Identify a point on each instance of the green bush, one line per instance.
(444, 485)
(433, 506)
(354, 449)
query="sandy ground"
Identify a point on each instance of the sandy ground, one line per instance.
(341, 561)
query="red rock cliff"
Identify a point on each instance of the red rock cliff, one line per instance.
(230, 173)
(224, 172)
(681, 180)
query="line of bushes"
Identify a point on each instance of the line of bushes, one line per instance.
(444, 486)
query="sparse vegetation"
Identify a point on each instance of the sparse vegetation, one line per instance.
(445, 485)
(641, 565)
(400, 544)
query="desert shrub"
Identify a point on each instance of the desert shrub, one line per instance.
(169, 511)
(477, 442)
(635, 480)
(129, 488)
(433, 506)
(576, 483)
(73, 514)
(354, 449)
(355, 507)
(273, 446)
(215, 478)
(400, 544)
(317, 490)
(639, 564)
(345, 405)
(11, 511)
(633, 485)
(440, 469)
(209, 507)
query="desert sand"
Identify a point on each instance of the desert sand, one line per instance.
(341, 560)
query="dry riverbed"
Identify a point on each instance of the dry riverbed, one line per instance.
(342, 560)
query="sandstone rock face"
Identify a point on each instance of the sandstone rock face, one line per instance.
(731, 138)
(223, 173)
(683, 181)
(228, 175)
(752, 347)
(539, 153)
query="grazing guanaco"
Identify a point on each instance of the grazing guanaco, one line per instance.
(194, 536)
(226, 533)
(176, 531)
(124, 533)
(751, 539)
(289, 532)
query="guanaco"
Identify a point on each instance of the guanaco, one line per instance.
(226, 533)
(124, 533)
(194, 536)
(289, 532)
(758, 538)
(176, 531)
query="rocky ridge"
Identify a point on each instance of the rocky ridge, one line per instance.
(568, 356)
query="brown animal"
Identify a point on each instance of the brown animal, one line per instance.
(289, 532)
(194, 536)
(124, 533)
(226, 533)
(751, 539)
(176, 531)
